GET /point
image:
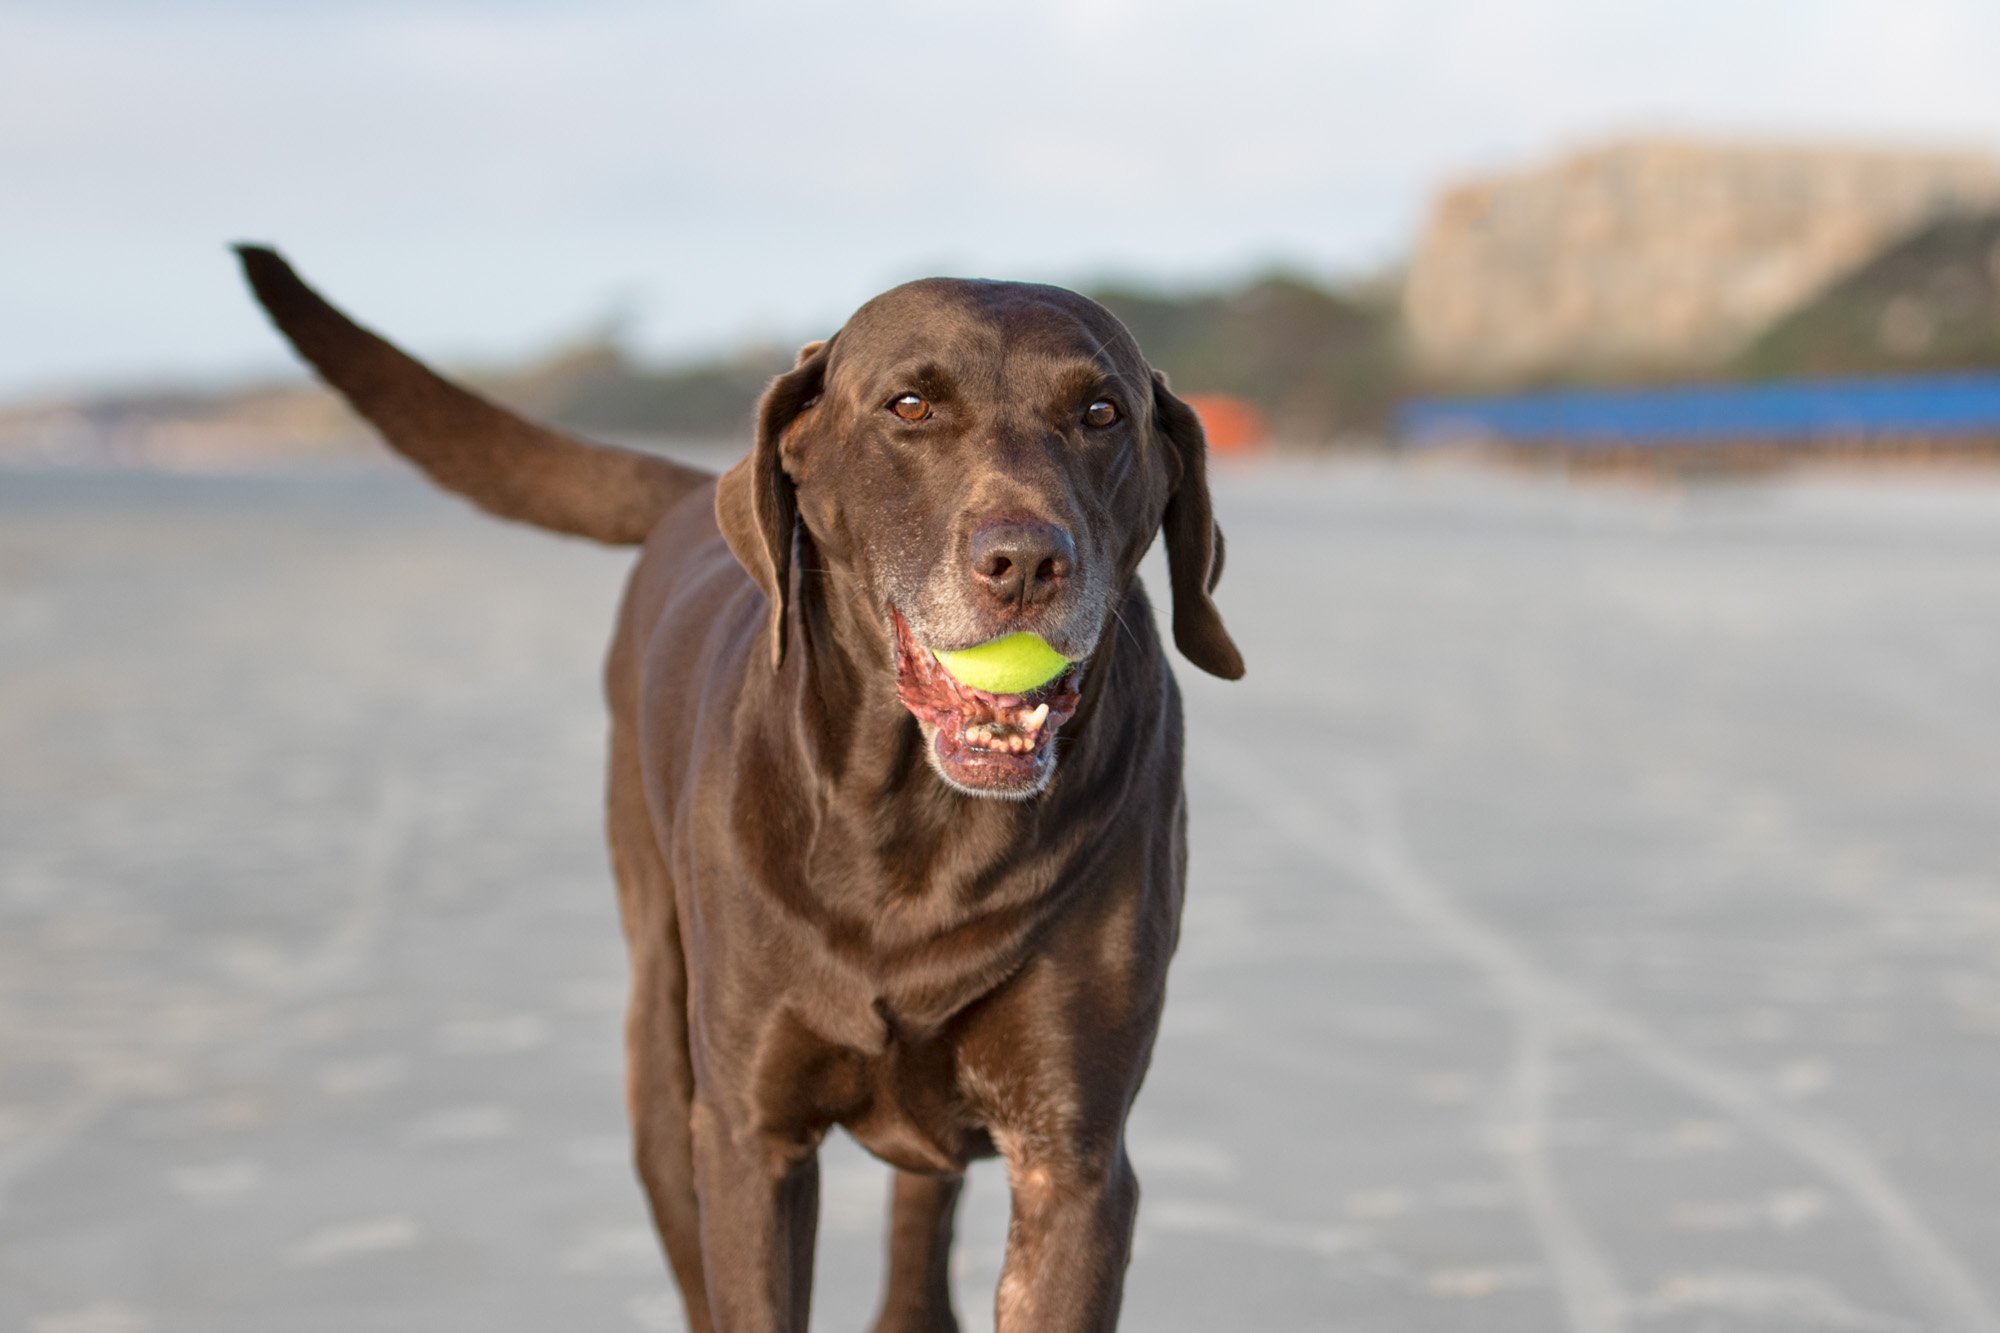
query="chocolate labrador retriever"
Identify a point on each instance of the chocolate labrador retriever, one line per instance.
(855, 891)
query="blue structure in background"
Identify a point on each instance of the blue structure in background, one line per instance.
(1785, 412)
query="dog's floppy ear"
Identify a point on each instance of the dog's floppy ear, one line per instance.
(1194, 543)
(754, 502)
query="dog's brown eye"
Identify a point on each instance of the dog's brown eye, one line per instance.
(910, 407)
(1100, 413)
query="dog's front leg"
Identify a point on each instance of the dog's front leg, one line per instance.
(917, 1295)
(1068, 1241)
(759, 1215)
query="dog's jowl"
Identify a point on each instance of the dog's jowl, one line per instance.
(857, 889)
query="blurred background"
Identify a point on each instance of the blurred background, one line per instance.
(1595, 913)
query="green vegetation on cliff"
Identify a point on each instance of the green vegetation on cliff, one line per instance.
(1931, 302)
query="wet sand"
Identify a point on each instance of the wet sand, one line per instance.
(1595, 919)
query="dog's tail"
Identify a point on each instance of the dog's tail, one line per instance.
(505, 464)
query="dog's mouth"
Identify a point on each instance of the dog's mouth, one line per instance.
(985, 744)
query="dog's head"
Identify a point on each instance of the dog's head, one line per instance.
(975, 459)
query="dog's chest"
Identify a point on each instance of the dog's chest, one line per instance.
(917, 1124)
(901, 1102)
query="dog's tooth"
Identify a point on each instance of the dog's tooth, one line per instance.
(1032, 723)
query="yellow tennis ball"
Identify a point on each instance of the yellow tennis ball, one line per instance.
(1011, 664)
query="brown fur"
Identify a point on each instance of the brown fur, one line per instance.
(823, 930)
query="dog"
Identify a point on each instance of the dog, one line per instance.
(856, 892)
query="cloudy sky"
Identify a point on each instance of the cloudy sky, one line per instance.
(479, 177)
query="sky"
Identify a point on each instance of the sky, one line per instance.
(481, 178)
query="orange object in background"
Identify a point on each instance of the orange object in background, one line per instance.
(1232, 425)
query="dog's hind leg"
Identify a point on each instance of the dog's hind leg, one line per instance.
(917, 1298)
(659, 1079)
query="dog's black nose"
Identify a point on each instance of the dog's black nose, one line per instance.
(1022, 562)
